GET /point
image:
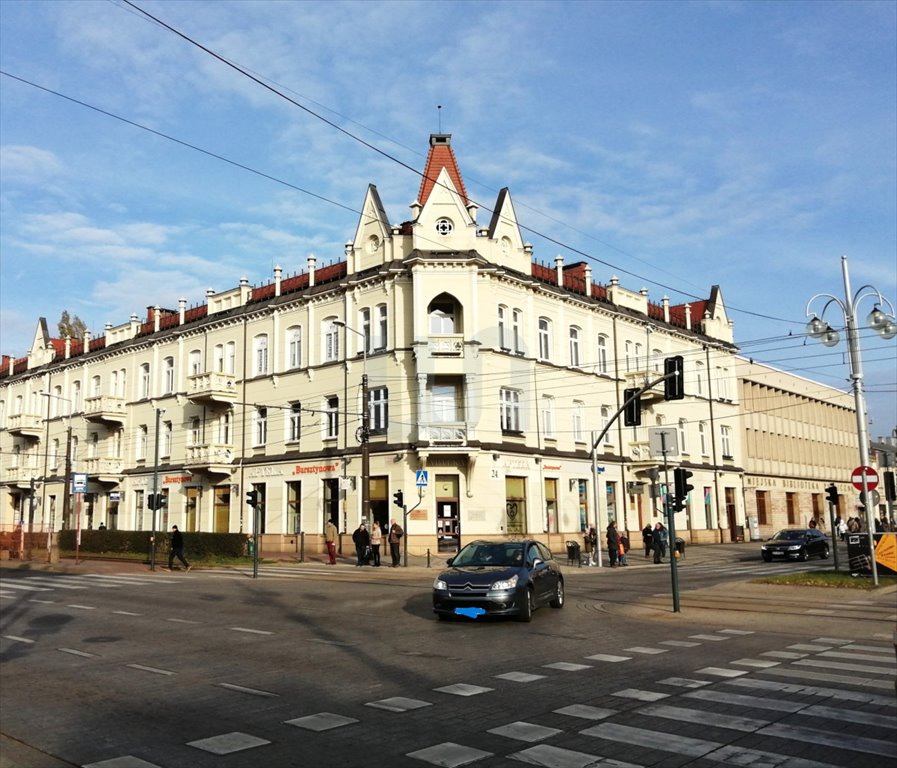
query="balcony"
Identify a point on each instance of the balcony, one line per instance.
(215, 458)
(104, 469)
(637, 379)
(446, 345)
(213, 387)
(21, 476)
(446, 433)
(105, 408)
(25, 424)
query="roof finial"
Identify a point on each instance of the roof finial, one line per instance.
(439, 114)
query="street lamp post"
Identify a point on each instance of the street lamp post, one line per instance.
(886, 327)
(156, 495)
(364, 435)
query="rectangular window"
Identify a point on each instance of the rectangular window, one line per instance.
(725, 441)
(169, 375)
(683, 434)
(366, 331)
(294, 347)
(167, 432)
(502, 343)
(515, 505)
(702, 433)
(510, 411)
(142, 439)
(294, 423)
(445, 403)
(331, 419)
(261, 355)
(195, 433)
(791, 508)
(144, 381)
(331, 341)
(578, 421)
(548, 416)
(378, 410)
(260, 431)
(629, 363)
(515, 331)
(574, 347)
(381, 334)
(763, 507)
(544, 339)
(224, 428)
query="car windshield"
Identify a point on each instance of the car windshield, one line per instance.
(789, 535)
(480, 553)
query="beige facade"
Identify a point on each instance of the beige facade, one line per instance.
(799, 437)
(487, 371)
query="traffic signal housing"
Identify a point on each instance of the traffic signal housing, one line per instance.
(398, 499)
(632, 407)
(682, 486)
(156, 500)
(831, 494)
(252, 498)
(674, 386)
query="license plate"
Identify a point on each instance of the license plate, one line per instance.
(471, 612)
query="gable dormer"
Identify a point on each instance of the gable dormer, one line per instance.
(715, 321)
(42, 350)
(506, 246)
(373, 243)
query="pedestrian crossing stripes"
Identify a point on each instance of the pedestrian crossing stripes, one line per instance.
(720, 715)
(22, 586)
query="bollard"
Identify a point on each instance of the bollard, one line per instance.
(301, 546)
(428, 557)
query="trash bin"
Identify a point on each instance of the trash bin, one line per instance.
(250, 547)
(680, 547)
(858, 555)
(573, 551)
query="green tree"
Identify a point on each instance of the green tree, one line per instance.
(71, 325)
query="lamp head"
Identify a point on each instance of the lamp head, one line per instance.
(817, 328)
(887, 329)
(830, 337)
(876, 318)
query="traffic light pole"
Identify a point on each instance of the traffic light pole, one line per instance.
(834, 530)
(155, 492)
(671, 520)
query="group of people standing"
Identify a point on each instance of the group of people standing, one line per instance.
(367, 543)
(656, 541)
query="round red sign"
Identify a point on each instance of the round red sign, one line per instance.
(870, 475)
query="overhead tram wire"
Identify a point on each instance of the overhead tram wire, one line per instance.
(401, 163)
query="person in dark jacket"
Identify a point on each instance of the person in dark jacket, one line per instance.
(648, 539)
(362, 540)
(659, 544)
(177, 549)
(613, 543)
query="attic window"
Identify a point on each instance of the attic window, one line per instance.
(444, 227)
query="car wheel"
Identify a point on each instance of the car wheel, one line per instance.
(825, 553)
(767, 558)
(558, 600)
(444, 616)
(526, 607)
(803, 555)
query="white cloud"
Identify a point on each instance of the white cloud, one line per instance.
(27, 165)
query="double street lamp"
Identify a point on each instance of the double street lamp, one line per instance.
(885, 326)
(365, 431)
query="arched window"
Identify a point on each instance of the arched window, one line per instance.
(96, 386)
(381, 331)
(330, 347)
(502, 339)
(144, 381)
(574, 346)
(294, 347)
(442, 318)
(683, 436)
(260, 354)
(169, 376)
(195, 362)
(602, 354)
(544, 338)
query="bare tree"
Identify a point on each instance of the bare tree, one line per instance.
(72, 326)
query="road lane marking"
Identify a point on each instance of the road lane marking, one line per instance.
(251, 631)
(74, 652)
(19, 639)
(154, 670)
(244, 689)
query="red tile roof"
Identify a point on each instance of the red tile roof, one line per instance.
(441, 156)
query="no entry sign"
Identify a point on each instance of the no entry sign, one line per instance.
(870, 475)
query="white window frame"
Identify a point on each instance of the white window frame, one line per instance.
(294, 423)
(547, 408)
(702, 433)
(96, 386)
(141, 442)
(381, 329)
(195, 362)
(516, 341)
(602, 353)
(145, 381)
(260, 354)
(725, 440)
(260, 427)
(167, 435)
(331, 418)
(330, 340)
(294, 347)
(579, 420)
(683, 436)
(511, 417)
(168, 376)
(378, 409)
(544, 338)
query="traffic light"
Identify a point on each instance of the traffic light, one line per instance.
(398, 499)
(151, 501)
(674, 386)
(632, 408)
(890, 490)
(683, 487)
(831, 493)
(252, 498)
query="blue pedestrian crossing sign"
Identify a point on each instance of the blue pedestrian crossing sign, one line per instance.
(422, 478)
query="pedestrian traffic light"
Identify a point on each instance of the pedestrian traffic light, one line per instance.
(831, 493)
(683, 487)
(151, 501)
(399, 499)
(252, 498)
(674, 385)
(632, 407)
(890, 489)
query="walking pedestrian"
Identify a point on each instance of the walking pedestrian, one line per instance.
(591, 542)
(648, 539)
(177, 549)
(376, 539)
(330, 534)
(362, 540)
(394, 537)
(613, 543)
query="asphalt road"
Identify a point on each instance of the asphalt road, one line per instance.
(112, 666)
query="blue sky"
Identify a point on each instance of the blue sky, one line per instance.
(679, 145)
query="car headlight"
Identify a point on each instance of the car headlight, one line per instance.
(440, 585)
(504, 584)
(794, 548)
(764, 548)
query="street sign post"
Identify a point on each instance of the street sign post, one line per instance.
(864, 478)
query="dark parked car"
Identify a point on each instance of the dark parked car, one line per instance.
(499, 578)
(799, 543)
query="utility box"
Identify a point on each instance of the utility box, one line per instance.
(858, 555)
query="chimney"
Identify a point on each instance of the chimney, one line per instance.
(559, 265)
(688, 316)
(278, 272)
(312, 261)
(182, 310)
(157, 317)
(587, 276)
(666, 308)
(68, 348)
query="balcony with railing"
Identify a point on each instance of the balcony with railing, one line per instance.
(446, 345)
(106, 469)
(446, 433)
(210, 457)
(21, 476)
(105, 408)
(213, 387)
(638, 378)
(25, 424)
